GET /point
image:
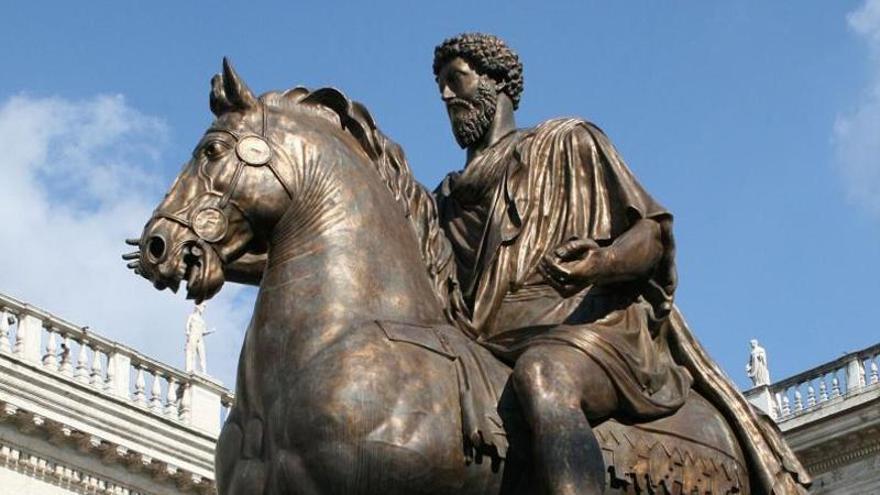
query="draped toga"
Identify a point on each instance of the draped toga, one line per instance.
(519, 200)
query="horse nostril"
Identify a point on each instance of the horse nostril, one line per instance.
(156, 247)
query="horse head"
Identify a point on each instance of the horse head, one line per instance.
(224, 202)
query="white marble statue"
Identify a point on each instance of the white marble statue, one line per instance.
(196, 331)
(757, 368)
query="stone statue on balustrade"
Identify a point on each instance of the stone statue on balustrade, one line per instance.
(514, 332)
(194, 349)
(757, 368)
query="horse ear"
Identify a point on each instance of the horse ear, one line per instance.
(236, 91)
(219, 103)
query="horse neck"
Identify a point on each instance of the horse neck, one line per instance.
(344, 253)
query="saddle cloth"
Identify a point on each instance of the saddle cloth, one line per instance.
(661, 456)
(481, 422)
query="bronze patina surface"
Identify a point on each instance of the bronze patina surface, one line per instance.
(513, 333)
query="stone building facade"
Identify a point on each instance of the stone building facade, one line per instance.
(82, 414)
(830, 416)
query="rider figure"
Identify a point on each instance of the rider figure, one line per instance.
(565, 262)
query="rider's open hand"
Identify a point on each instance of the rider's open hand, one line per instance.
(573, 265)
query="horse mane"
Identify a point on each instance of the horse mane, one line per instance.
(390, 163)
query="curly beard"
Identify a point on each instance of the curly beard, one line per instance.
(473, 117)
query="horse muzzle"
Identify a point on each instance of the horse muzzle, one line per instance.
(172, 253)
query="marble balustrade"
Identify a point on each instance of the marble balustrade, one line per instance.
(82, 356)
(831, 382)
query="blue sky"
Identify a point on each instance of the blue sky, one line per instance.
(756, 123)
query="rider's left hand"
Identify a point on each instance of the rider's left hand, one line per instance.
(574, 265)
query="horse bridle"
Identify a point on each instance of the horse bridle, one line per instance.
(208, 218)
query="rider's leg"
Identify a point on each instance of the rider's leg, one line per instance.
(559, 387)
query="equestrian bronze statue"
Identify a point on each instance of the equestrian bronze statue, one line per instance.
(512, 333)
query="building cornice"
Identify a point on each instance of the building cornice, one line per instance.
(59, 434)
(839, 450)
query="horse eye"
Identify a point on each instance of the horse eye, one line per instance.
(214, 150)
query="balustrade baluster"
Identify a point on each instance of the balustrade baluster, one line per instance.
(66, 366)
(786, 406)
(82, 362)
(185, 403)
(823, 389)
(18, 346)
(4, 332)
(50, 359)
(140, 387)
(156, 394)
(811, 396)
(798, 400)
(835, 386)
(171, 408)
(97, 379)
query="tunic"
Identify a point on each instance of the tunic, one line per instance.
(537, 188)
(531, 191)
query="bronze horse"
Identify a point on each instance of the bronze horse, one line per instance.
(351, 379)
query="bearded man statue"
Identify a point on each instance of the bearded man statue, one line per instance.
(567, 270)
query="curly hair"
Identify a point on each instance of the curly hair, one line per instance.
(489, 55)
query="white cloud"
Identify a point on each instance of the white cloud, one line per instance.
(866, 21)
(77, 178)
(857, 134)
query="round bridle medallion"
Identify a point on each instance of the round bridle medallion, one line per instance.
(210, 224)
(253, 150)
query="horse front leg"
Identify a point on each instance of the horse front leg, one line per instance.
(238, 468)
